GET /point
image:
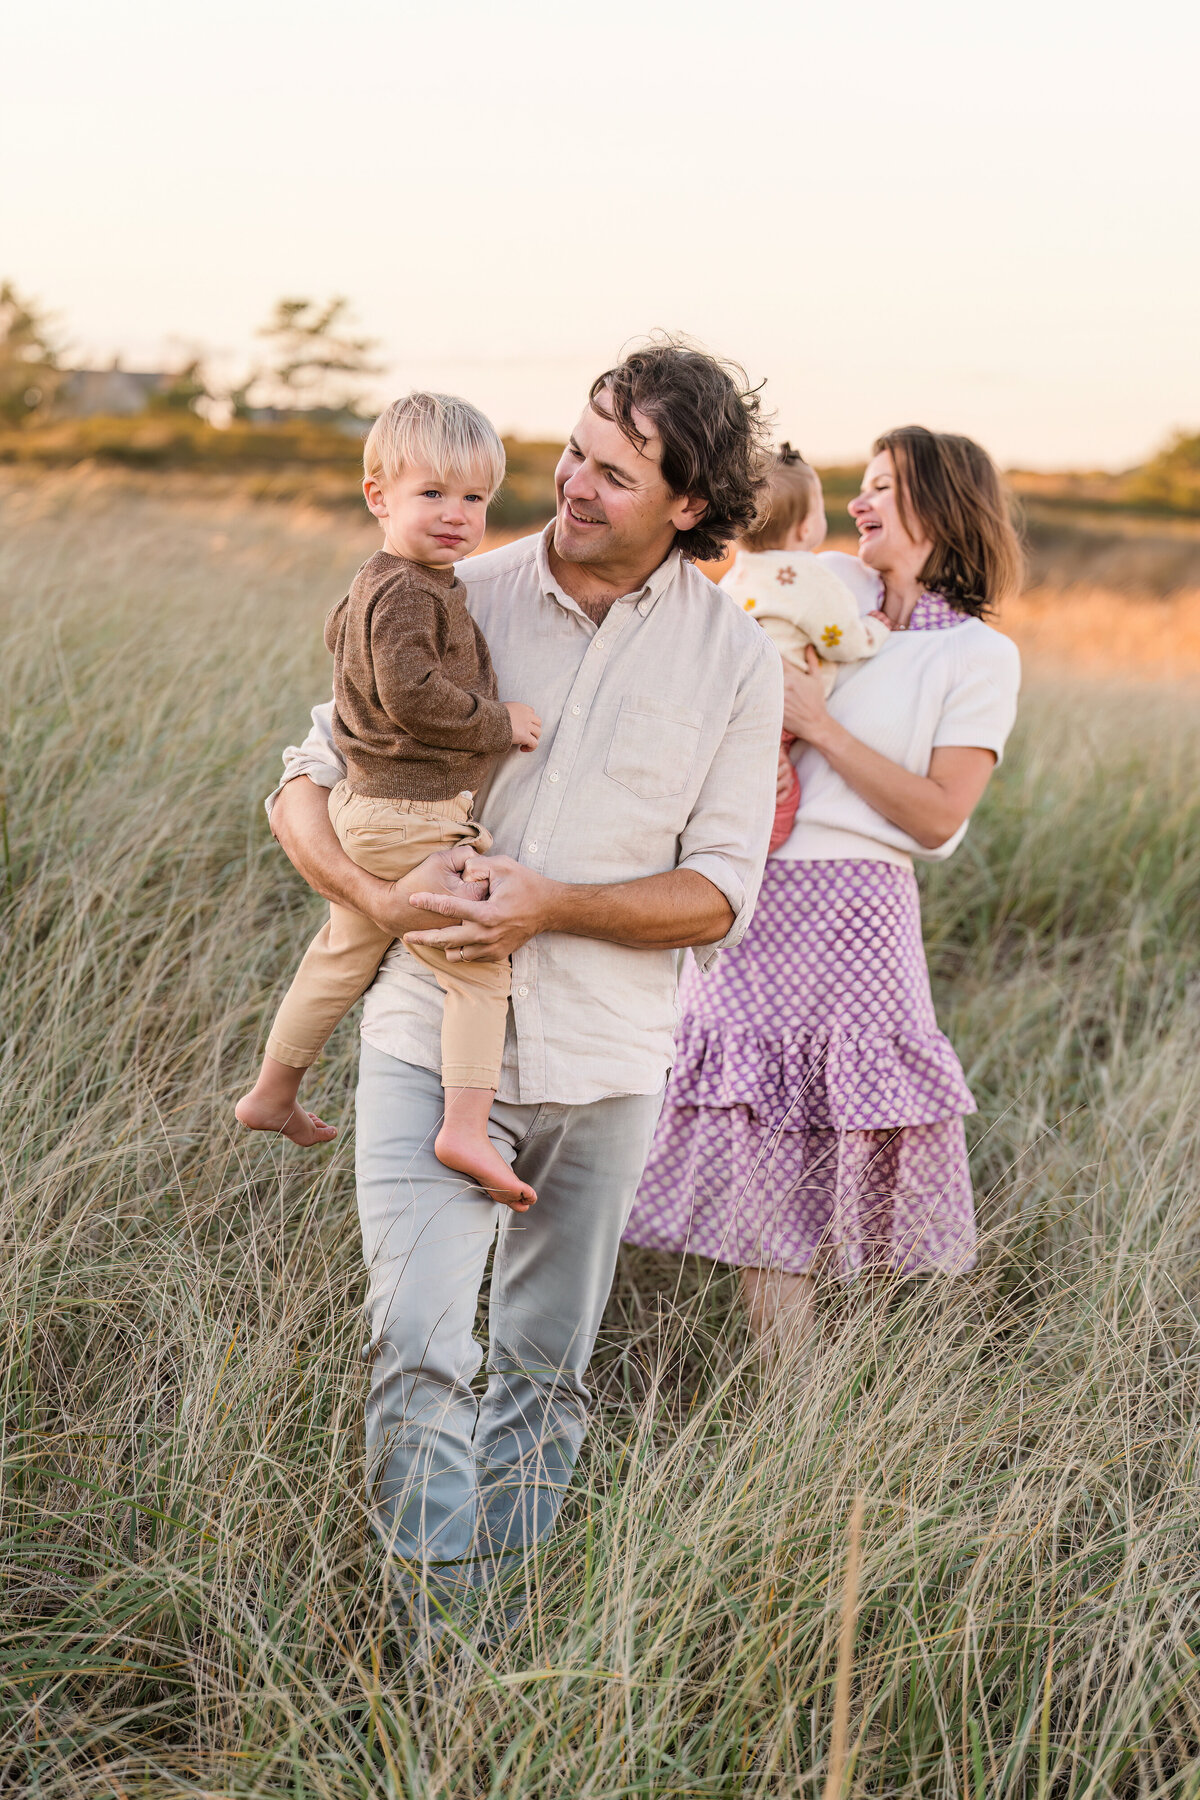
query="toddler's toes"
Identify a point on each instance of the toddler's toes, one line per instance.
(305, 1129)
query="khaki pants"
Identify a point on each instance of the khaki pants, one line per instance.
(389, 838)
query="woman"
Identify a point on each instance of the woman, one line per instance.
(815, 1109)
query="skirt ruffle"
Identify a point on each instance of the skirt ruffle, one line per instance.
(830, 1078)
(815, 1111)
(720, 1185)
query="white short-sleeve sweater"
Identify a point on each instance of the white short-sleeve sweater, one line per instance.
(923, 690)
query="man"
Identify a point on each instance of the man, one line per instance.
(638, 827)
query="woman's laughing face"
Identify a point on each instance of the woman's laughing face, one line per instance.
(885, 543)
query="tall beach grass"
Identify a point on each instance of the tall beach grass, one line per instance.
(191, 1600)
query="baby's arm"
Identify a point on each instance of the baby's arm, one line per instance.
(835, 627)
(817, 608)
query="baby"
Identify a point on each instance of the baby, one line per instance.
(798, 601)
(418, 725)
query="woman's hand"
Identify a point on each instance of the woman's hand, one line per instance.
(930, 808)
(805, 714)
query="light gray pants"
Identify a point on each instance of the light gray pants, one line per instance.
(455, 1482)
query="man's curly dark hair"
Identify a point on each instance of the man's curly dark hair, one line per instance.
(712, 429)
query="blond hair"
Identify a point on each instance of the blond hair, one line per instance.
(793, 491)
(448, 434)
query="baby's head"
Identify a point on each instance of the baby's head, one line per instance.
(431, 464)
(792, 515)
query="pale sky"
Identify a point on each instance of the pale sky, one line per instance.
(980, 218)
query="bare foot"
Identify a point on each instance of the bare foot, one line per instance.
(303, 1128)
(470, 1154)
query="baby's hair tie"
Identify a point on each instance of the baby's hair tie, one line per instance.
(788, 456)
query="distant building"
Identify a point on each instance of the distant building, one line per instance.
(87, 393)
(335, 418)
(96, 393)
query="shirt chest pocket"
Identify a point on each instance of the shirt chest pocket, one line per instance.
(653, 746)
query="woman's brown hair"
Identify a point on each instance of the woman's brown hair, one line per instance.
(951, 490)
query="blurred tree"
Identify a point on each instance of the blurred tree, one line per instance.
(313, 360)
(30, 369)
(184, 389)
(1172, 478)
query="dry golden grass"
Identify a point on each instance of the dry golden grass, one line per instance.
(191, 1601)
(1094, 631)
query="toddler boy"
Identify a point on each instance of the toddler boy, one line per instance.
(418, 724)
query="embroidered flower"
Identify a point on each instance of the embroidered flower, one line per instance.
(749, 605)
(786, 575)
(831, 636)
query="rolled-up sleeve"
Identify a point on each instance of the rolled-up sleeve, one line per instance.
(726, 837)
(316, 757)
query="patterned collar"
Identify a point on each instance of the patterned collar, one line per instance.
(933, 612)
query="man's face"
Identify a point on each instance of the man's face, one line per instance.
(613, 504)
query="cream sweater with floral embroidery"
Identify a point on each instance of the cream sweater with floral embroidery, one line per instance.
(799, 601)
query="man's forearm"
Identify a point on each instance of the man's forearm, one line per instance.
(671, 911)
(300, 822)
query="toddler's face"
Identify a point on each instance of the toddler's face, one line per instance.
(428, 518)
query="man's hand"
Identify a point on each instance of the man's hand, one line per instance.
(526, 726)
(300, 820)
(519, 904)
(438, 877)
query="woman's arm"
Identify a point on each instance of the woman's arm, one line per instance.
(930, 808)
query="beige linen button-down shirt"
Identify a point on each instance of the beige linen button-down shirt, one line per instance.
(658, 751)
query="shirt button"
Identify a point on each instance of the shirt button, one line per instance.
(532, 847)
(522, 991)
(554, 775)
(575, 711)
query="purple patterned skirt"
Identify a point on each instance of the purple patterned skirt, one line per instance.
(815, 1108)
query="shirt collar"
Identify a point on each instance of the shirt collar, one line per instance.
(644, 597)
(933, 612)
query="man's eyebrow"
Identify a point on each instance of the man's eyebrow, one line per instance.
(611, 467)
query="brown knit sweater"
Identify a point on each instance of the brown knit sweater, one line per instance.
(415, 710)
